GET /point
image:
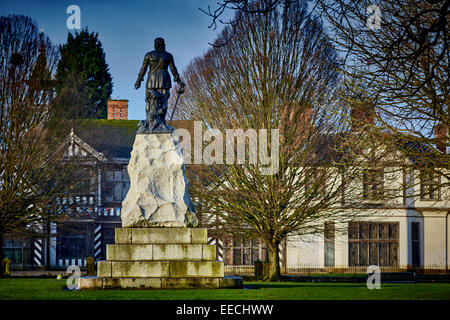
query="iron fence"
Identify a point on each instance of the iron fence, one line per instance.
(26, 270)
(41, 273)
(317, 270)
(233, 270)
(246, 270)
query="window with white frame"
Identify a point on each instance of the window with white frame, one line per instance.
(429, 185)
(244, 252)
(373, 243)
(117, 184)
(329, 233)
(373, 184)
(315, 182)
(17, 249)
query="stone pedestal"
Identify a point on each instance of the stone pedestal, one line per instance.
(160, 258)
(158, 246)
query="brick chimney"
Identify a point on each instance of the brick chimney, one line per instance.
(118, 109)
(440, 133)
(361, 116)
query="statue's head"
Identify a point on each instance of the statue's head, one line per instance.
(160, 45)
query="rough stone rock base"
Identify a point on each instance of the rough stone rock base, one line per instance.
(160, 258)
(159, 190)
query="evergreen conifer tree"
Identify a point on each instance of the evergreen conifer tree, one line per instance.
(83, 76)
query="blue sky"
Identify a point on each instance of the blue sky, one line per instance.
(127, 30)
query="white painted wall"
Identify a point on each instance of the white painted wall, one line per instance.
(305, 251)
(341, 246)
(434, 238)
(309, 250)
(448, 239)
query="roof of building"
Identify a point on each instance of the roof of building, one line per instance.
(114, 138)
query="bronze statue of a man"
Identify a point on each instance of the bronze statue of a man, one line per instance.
(158, 88)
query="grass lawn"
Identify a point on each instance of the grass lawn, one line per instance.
(36, 289)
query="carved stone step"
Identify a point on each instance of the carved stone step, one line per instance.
(155, 269)
(161, 235)
(159, 283)
(136, 252)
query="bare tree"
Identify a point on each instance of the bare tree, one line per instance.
(397, 53)
(402, 63)
(241, 6)
(276, 71)
(30, 136)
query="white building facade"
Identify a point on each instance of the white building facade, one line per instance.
(410, 230)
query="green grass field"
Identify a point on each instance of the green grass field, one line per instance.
(38, 289)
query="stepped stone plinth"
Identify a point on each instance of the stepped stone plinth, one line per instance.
(159, 246)
(160, 258)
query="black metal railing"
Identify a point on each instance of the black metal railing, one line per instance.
(313, 270)
(27, 270)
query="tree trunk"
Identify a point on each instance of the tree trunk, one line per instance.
(274, 263)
